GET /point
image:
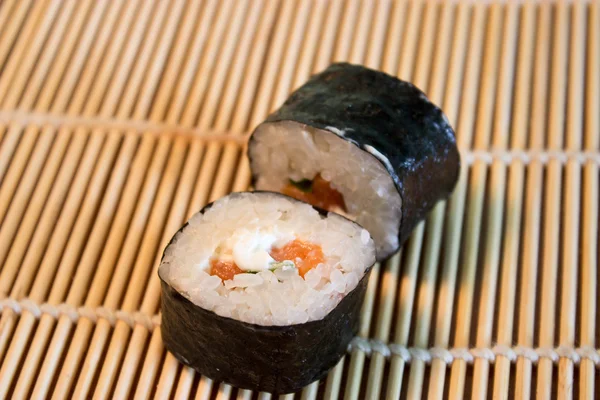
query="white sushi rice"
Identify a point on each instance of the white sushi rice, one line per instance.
(281, 296)
(279, 153)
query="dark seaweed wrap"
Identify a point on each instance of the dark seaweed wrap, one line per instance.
(394, 117)
(275, 359)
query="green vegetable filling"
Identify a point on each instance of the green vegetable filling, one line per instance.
(305, 185)
(285, 264)
(273, 265)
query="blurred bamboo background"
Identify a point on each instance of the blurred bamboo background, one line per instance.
(119, 119)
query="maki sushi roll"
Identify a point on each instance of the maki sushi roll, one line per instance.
(363, 144)
(263, 291)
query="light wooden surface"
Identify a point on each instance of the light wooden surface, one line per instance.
(120, 119)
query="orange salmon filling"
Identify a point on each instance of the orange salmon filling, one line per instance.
(321, 194)
(224, 269)
(305, 255)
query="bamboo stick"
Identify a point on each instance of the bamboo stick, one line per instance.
(395, 36)
(358, 36)
(293, 47)
(331, 29)
(10, 29)
(6, 8)
(262, 105)
(27, 48)
(186, 379)
(357, 358)
(310, 391)
(571, 210)
(452, 232)
(376, 40)
(311, 41)
(204, 388)
(410, 43)
(533, 203)
(589, 242)
(497, 193)
(552, 196)
(343, 44)
(477, 182)
(244, 394)
(383, 323)
(514, 200)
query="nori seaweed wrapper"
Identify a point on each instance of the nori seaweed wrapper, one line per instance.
(393, 117)
(275, 359)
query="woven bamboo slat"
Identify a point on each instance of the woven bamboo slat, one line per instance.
(120, 119)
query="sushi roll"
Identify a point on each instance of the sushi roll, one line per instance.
(263, 291)
(361, 143)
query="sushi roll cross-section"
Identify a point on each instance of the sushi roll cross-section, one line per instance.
(361, 143)
(264, 291)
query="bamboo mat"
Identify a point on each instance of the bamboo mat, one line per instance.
(119, 119)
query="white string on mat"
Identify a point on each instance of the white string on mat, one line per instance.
(367, 346)
(468, 156)
(448, 356)
(528, 156)
(75, 313)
